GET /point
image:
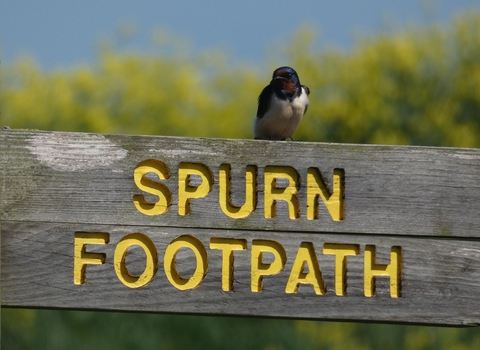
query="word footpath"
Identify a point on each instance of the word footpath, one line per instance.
(305, 259)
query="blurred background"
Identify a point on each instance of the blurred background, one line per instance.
(379, 72)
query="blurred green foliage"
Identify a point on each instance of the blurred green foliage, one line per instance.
(420, 86)
(64, 330)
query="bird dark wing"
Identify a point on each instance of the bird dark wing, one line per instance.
(306, 89)
(264, 101)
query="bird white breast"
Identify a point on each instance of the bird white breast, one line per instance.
(282, 118)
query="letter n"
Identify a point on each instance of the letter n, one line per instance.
(334, 200)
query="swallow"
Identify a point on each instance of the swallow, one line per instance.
(281, 106)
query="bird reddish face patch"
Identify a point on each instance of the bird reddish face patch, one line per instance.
(284, 84)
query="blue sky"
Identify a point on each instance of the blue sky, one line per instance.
(61, 33)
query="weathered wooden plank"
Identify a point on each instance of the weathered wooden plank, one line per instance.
(440, 278)
(88, 178)
(68, 198)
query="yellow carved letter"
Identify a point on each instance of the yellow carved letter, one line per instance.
(227, 246)
(151, 263)
(393, 270)
(334, 201)
(169, 262)
(341, 251)
(306, 257)
(288, 194)
(259, 268)
(250, 192)
(153, 187)
(187, 191)
(81, 258)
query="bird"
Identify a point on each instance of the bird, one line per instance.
(281, 106)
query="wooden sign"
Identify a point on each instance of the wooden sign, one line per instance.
(240, 227)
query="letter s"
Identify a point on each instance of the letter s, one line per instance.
(153, 187)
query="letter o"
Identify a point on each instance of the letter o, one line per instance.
(151, 256)
(169, 261)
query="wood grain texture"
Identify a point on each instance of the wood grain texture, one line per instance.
(440, 278)
(73, 177)
(424, 200)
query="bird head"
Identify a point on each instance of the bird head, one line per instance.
(285, 78)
